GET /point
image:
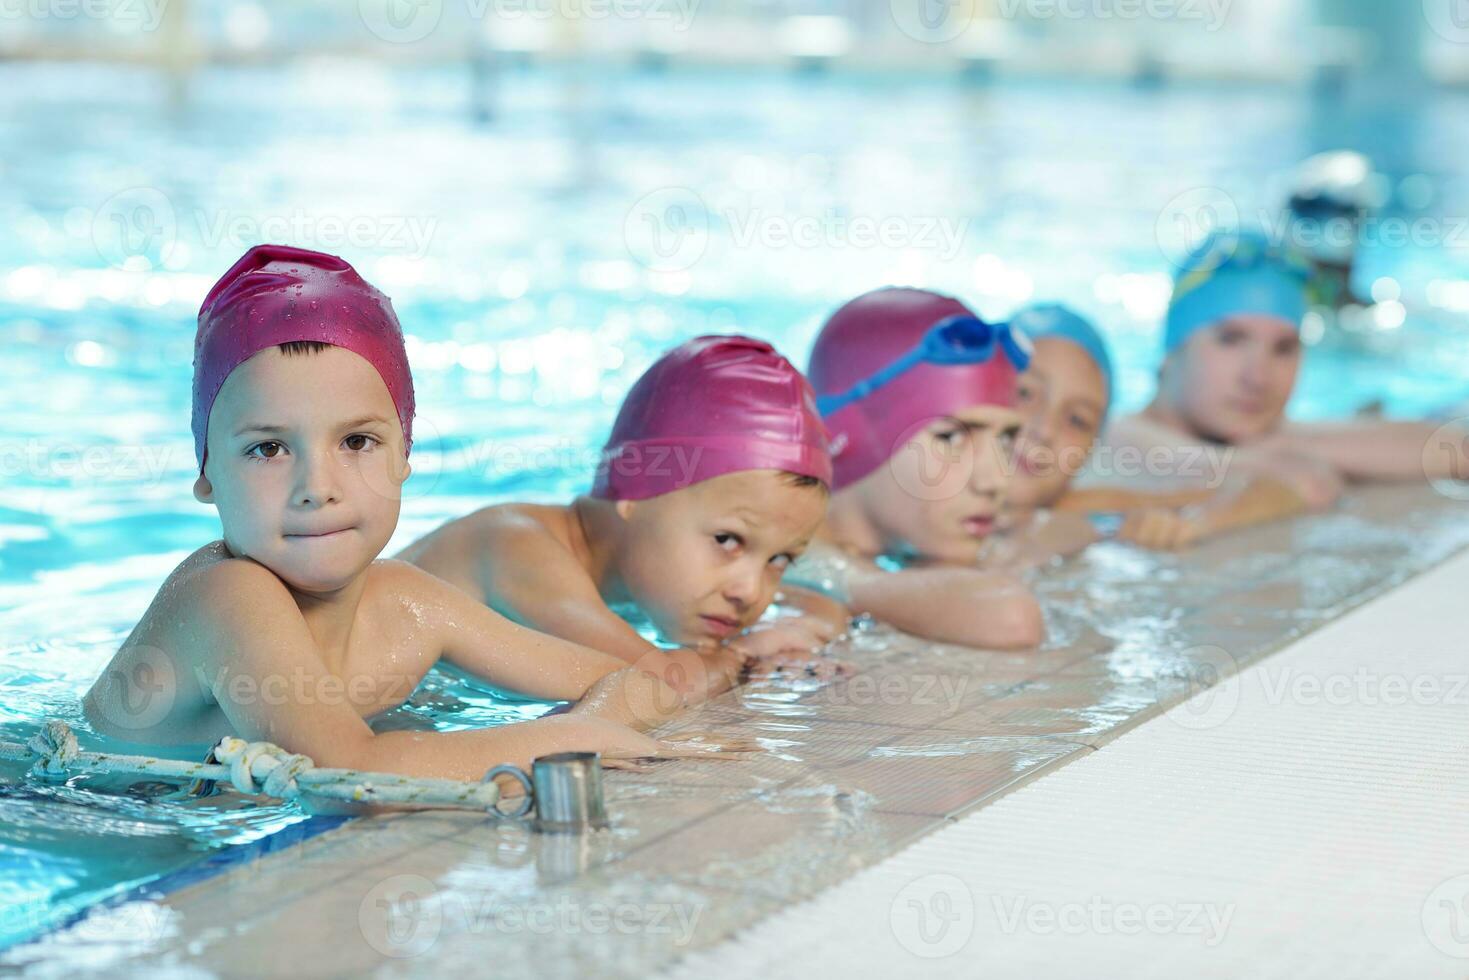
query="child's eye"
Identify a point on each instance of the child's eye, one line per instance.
(359, 441)
(1230, 338)
(728, 540)
(265, 450)
(947, 437)
(1085, 425)
(783, 560)
(1287, 347)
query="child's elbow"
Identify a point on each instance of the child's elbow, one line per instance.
(1018, 625)
(1319, 489)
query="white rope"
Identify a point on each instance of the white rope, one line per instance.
(251, 767)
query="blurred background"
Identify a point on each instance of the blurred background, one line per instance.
(554, 191)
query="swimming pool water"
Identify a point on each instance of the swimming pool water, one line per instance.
(538, 262)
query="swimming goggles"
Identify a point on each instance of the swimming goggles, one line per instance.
(953, 340)
(1240, 253)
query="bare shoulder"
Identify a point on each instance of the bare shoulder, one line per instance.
(527, 522)
(155, 688)
(467, 539)
(216, 588)
(211, 581)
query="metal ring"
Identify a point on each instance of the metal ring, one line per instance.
(519, 775)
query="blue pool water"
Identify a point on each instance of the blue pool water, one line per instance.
(539, 261)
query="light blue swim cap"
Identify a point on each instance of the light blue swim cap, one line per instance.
(1053, 320)
(1234, 273)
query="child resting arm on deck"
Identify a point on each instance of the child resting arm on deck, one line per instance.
(713, 480)
(287, 629)
(1065, 396)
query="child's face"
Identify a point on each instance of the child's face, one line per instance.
(305, 465)
(704, 562)
(1230, 382)
(1063, 399)
(939, 495)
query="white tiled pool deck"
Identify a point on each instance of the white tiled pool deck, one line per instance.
(851, 774)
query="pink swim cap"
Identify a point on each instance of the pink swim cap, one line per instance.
(712, 406)
(895, 358)
(277, 294)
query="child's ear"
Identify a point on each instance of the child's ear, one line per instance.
(203, 489)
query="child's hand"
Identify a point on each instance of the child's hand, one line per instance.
(791, 643)
(686, 745)
(1160, 529)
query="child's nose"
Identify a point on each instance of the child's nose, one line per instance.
(743, 590)
(318, 482)
(988, 473)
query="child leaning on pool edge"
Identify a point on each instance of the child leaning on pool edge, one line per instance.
(1232, 353)
(919, 395)
(287, 629)
(713, 480)
(1064, 397)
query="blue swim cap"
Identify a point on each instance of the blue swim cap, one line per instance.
(1053, 320)
(1234, 273)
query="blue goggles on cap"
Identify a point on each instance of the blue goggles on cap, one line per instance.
(953, 340)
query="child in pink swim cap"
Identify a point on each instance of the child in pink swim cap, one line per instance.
(288, 629)
(919, 395)
(713, 480)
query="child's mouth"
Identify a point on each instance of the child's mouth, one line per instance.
(720, 626)
(979, 525)
(318, 535)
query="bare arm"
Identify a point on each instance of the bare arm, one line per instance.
(822, 612)
(528, 574)
(1380, 450)
(1257, 500)
(1196, 464)
(250, 628)
(967, 606)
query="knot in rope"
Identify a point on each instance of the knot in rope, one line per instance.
(56, 744)
(260, 767)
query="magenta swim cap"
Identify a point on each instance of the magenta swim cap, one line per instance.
(895, 358)
(712, 406)
(277, 294)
